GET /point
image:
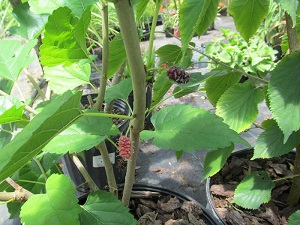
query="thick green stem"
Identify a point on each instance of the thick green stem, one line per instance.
(40, 167)
(138, 74)
(152, 32)
(294, 194)
(111, 180)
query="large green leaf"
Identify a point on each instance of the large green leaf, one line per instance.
(184, 128)
(119, 91)
(284, 94)
(216, 86)
(47, 7)
(103, 208)
(290, 7)
(169, 53)
(54, 118)
(248, 15)
(270, 142)
(254, 190)
(62, 78)
(238, 106)
(58, 206)
(6, 102)
(64, 42)
(31, 24)
(207, 16)
(117, 55)
(84, 134)
(161, 86)
(14, 57)
(188, 19)
(294, 219)
(215, 160)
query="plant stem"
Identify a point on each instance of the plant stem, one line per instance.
(36, 86)
(105, 56)
(40, 167)
(111, 180)
(152, 32)
(107, 115)
(138, 74)
(294, 194)
(292, 34)
(84, 173)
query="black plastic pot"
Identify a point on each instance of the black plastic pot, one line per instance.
(207, 217)
(93, 160)
(210, 205)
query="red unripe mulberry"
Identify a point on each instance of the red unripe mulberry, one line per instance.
(124, 147)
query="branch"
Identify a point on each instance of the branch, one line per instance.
(292, 34)
(138, 74)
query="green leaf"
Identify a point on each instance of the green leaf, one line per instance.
(119, 91)
(64, 42)
(47, 7)
(84, 134)
(31, 24)
(62, 78)
(117, 55)
(248, 15)
(284, 94)
(5, 135)
(170, 54)
(207, 16)
(161, 86)
(140, 8)
(294, 219)
(6, 102)
(184, 128)
(103, 208)
(58, 206)
(14, 57)
(13, 114)
(55, 117)
(238, 106)
(270, 143)
(290, 7)
(215, 160)
(216, 86)
(6, 85)
(189, 18)
(254, 190)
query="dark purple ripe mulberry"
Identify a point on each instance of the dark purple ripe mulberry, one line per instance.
(179, 75)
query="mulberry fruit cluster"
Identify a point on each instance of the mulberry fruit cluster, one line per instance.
(124, 147)
(179, 75)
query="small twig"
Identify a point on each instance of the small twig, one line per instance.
(84, 173)
(40, 167)
(13, 184)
